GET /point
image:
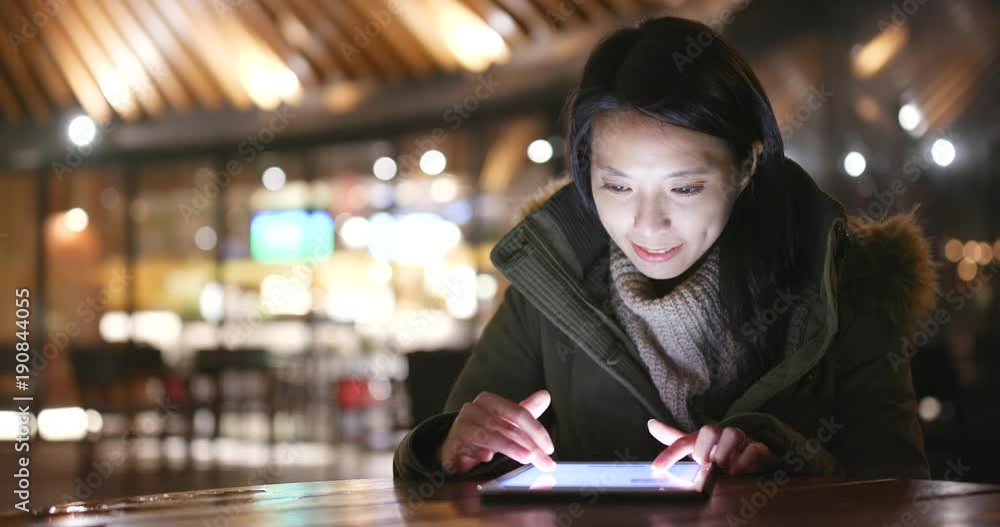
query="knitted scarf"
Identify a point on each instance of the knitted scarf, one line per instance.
(695, 364)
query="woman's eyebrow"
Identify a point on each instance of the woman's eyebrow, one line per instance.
(678, 173)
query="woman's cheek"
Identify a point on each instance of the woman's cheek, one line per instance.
(616, 219)
(708, 220)
(716, 208)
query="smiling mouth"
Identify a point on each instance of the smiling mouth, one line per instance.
(657, 255)
(656, 251)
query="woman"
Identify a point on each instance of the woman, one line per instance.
(688, 286)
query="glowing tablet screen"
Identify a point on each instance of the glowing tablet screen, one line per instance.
(603, 475)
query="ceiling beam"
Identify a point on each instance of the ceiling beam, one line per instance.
(34, 53)
(191, 74)
(202, 37)
(354, 48)
(487, 10)
(115, 89)
(396, 34)
(257, 22)
(17, 71)
(291, 18)
(125, 64)
(330, 38)
(82, 83)
(148, 53)
(11, 107)
(529, 16)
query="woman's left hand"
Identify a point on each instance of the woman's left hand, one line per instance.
(730, 448)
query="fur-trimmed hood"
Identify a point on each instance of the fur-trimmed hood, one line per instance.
(888, 263)
(891, 267)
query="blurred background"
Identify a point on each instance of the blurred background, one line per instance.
(256, 233)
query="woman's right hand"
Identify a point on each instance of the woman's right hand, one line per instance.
(492, 425)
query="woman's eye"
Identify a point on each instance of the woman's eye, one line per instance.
(617, 189)
(689, 190)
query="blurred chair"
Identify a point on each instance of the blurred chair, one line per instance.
(153, 384)
(293, 392)
(353, 399)
(431, 376)
(215, 364)
(99, 372)
(125, 379)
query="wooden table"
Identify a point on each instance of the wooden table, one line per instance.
(734, 501)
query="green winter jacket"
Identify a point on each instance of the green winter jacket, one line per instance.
(840, 403)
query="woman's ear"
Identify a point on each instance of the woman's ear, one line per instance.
(751, 164)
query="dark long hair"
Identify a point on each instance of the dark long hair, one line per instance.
(681, 72)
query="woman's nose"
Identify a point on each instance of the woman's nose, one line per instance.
(651, 217)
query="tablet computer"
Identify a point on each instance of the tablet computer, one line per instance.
(585, 479)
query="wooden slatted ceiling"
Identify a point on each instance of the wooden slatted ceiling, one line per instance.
(141, 59)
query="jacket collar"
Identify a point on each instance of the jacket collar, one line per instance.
(556, 239)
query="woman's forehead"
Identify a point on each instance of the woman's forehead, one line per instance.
(639, 152)
(619, 131)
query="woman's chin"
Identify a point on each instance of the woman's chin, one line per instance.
(661, 271)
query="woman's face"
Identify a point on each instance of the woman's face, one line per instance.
(663, 192)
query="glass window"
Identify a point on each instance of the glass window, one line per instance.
(272, 232)
(175, 214)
